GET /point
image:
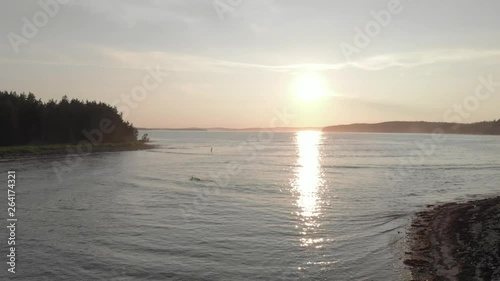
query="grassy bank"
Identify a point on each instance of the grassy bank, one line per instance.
(58, 149)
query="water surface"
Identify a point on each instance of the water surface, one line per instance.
(281, 206)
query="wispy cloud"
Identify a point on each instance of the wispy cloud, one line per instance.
(178, 62)
(413, 59)
(407, 60)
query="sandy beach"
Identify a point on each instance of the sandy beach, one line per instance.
(456, 241)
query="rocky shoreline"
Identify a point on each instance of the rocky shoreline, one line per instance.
(456, 241)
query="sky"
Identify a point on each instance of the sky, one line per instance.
(242, 63)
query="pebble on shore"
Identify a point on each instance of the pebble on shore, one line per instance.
(456, 241)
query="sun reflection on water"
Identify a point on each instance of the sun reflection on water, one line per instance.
(307, 184)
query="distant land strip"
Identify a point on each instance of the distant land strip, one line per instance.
(275, 129)
(415, 127)
(421, 127)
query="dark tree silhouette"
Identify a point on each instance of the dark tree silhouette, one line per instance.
(25, 120)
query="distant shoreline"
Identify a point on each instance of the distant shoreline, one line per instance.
(421, 127)
(456, 241)
(16, 152)
(392, 127)
(275, 129)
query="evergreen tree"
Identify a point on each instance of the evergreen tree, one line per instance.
(25, 120)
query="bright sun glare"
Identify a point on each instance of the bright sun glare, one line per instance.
(310, 87)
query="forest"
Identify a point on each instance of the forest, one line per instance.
(26, 120)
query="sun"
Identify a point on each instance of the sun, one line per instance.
(310, 87)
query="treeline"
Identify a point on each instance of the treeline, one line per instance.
(479, 128)
(24, 120)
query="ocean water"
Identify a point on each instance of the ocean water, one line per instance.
(261, 206)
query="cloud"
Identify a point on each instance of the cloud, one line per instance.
(414, 59)
(179, 62)
(407, 60)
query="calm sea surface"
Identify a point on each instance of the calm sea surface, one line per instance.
(282, 206)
